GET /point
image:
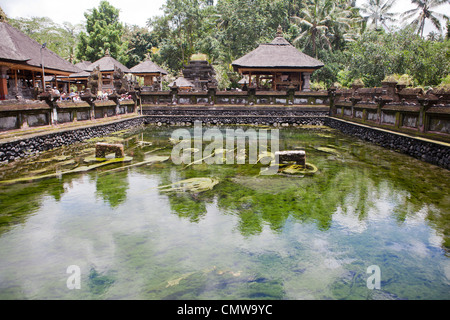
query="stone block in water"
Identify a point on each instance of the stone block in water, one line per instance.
(297, 156)
(102, 149)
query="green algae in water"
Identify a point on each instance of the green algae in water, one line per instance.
(195, 185)
(309, 169)
(249, 237)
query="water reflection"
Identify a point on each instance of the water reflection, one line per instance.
(112, 188)
(251, 236)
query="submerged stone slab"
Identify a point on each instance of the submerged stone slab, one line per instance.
(297, 156)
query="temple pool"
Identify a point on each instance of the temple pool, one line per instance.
(369, 224)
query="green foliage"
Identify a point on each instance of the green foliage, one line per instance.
(318, 86)
(445, 83)
(403, 79)
(104, 33)
(448, 31)
(378, 54)
(61, 39)
(3, 17)
(140, 42)
(325, 24)
(333, 31)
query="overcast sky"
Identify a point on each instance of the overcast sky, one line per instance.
(133, 12)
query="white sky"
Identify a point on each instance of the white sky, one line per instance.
(405, 5)
(131, 11)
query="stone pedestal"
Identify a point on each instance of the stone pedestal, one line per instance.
(102, 149)
(306, 81)
(297, 156)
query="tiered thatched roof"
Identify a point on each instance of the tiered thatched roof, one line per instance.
(279, 54)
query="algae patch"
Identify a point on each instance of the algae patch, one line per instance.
(195, 185)
(296, 169)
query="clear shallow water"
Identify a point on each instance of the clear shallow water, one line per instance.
(251, 237)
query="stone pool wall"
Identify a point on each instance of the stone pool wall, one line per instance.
(433, 152)
(222, 115)
(362, 113)
(22, 148)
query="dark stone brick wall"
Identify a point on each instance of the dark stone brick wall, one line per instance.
(434, 153)
(23, 148)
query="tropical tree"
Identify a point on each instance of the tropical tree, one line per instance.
(448, 30)
(3, 17)
(320, 21)
(104, 33)
(140, 42)
(423, 11)
(379, 12)
(61, 39)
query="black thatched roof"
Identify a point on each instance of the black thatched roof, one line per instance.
(83, 65)
(279, 54)
(182, 82)
(17, 47)
(107, 63)
(148, 66)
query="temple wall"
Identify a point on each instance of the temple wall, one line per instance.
(22, 148)
(408, 121)
(242, 98)
(392, 107)
(21, 114)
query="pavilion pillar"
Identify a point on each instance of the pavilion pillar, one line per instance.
(3, 82)
(306, 81)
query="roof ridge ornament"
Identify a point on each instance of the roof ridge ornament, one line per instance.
(279, 31)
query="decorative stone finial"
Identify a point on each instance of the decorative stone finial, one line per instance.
(279, 31)
(107, 53)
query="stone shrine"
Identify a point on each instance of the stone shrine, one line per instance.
(200, 72)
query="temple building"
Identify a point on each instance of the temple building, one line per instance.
(23, 62)
(182, 83)
(104, 67)
(278, 63)
(151, 72)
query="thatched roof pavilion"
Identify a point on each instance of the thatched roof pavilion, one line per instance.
(21, 59)
(108, 64)
(105, 66)
(280, 62)
(182, 83)
(148, 70)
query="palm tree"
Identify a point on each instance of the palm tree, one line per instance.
(320, 20)
(379, 12)
(424, 12)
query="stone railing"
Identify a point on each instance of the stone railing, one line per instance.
(395, 107)
(48, 110)
(250, 97)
